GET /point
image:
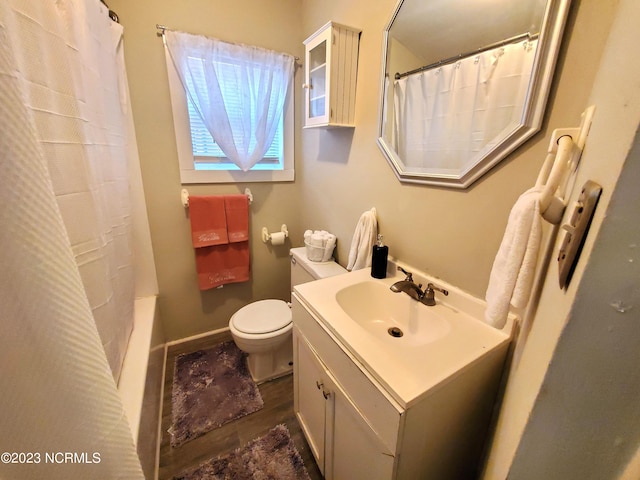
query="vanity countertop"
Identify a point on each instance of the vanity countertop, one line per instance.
(438, 341)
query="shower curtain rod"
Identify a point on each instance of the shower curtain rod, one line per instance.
(161, 29)
(507, 41)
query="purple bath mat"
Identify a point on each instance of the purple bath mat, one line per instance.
(210, 388)
(271, 456)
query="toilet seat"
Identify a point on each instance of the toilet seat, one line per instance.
(263, 316)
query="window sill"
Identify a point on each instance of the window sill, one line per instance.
(213, 176)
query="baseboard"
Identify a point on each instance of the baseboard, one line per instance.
(156, 470)
(197, 337)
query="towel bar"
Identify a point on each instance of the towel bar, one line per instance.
(184, 197)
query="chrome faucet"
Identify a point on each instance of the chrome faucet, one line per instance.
(409, 287)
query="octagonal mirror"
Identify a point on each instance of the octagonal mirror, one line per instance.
(464, 84)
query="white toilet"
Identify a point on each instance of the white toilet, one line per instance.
(263, 328)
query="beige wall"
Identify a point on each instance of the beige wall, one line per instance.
(451, 234)
(341, 173)
(617, 99)
(273, 24)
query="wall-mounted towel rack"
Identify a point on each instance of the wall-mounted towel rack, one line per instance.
(562, 160)
(184, 197)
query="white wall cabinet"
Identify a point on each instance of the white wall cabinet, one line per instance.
(357, 430)
(331, 65)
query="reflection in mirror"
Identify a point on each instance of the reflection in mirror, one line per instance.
(464, 84)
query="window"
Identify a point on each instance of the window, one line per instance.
(201, 158)
(207, 154)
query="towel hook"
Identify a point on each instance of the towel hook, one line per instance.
(562, 159)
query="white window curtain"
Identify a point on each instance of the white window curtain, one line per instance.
(238, 90)
(446, 115)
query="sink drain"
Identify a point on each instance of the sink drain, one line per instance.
(395, 332)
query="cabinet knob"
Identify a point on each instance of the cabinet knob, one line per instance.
(325, 394)
(319, 385)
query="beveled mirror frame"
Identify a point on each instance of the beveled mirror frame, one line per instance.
(550, 39)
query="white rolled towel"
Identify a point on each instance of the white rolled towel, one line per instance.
(328, 247)
(317, 240)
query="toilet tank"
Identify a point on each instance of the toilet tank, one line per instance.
(304, 270)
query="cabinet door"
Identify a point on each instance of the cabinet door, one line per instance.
(310, 402)
(353, 450)
(317, 75)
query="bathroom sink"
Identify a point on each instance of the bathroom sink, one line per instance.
(366, 318)
(393, 317)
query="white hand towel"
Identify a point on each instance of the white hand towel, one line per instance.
(514, 266)
(364, 238)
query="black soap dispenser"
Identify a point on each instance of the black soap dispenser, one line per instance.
(379, 259)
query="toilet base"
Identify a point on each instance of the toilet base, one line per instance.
(270, 365)
(271, 376)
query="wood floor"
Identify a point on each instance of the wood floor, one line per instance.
(278, 408)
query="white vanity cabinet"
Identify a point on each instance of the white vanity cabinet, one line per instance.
(340, 437)
(357, 429)
(331, 64)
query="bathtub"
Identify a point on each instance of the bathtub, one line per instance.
(140, 383)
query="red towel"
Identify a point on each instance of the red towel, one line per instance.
(208, 221)
(220, 234)
(222, 264)
(237, 212)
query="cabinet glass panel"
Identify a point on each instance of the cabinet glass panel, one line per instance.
(317, 80)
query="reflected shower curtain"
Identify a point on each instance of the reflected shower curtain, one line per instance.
(65, 258)
(446, 115)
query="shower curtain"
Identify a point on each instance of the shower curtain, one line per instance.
(74, 89)
(66, 291)
(445, 116)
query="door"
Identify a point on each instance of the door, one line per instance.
(353, 450)
(317, 75)
(310, 402)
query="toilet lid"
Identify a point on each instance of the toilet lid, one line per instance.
(263, 316)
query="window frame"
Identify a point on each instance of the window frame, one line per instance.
(187, 161)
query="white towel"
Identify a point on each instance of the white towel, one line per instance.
(329, 246)
(514, 266)
(364, 238)
(317, 240)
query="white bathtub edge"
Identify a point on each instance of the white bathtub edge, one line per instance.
(134, 369)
